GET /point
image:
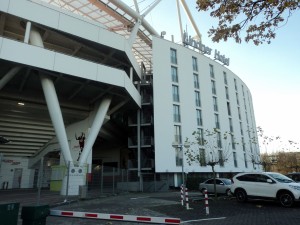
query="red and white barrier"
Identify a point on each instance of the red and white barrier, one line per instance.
(206, 202)
(187, 199)
(182, 194)
(103, 216)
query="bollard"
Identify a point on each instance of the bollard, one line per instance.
(187, 199)
(206, 202)
(181, 195)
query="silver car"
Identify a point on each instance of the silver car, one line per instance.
(222, 185)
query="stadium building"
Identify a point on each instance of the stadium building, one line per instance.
(89, 84)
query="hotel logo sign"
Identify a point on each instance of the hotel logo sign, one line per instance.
(188, 40)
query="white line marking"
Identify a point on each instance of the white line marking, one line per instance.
(219, 218)
(140, 197)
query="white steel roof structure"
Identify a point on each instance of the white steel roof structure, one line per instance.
(117, 16)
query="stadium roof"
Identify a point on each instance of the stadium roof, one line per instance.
(116, 16)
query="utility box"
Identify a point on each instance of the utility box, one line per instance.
(35, 215)
(9, 213)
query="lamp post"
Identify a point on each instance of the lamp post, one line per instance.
(180, 146)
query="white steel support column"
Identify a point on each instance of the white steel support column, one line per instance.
(52, 102)
(27, 32)
(190, 17)
(134, 32)
(179, 18)
(94, 131)
(150, 8)
(56, 117)
(8, 76)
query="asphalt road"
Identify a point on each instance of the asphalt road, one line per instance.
(224, 211)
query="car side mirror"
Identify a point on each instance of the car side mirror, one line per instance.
(221, 183)
(269, 181)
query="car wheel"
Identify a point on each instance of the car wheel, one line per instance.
(241, 195)
(228, 192)
(286, 199)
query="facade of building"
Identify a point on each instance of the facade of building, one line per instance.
(85, 91)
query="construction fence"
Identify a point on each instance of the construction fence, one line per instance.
(51, 182)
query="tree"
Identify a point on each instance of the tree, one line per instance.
(259, 18)
(278, 154)
(208, 149)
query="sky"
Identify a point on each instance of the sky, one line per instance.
(271, 71)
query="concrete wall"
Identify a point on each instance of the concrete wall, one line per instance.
(8, 167)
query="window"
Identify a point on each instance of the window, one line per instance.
(221, 158)
(245, 159)
(197, 98)
(175, 90)
(202, 157)
(217, 121)
(230, 125)
(201, 136)
(227, 93)
(173, 56)
(196, 81)
(237, 98)
(261, 178)
(174, 74)
(225, 78)
(199, 117)
(179, 158)
(177, 133)
(232, 141)
(241, 127)
(243, 144)
(235, 159)
(211, 71)
(235, 85)
(215, 104)
(228, 109)
(195, 65)
(176, 113)
(219, 141)
(213, 87)
(239, 112)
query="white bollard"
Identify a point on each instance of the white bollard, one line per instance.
(187, 199)
(206, 202)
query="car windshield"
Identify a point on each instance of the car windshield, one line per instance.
(281, 178)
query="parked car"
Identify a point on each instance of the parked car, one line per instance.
(222, 185)
(265, 185)
(294, 176)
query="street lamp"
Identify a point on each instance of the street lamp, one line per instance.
(180, 146)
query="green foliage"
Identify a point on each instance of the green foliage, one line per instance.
(260, 19)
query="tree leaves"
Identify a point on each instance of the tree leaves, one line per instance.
(258, 19)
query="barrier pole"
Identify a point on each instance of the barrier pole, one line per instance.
(206, 202)
(187, 199)
(181, 194)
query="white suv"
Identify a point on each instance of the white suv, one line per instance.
(265, 185)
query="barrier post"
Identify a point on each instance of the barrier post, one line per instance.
(181, 195)
(187, 199)
(206, 202)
